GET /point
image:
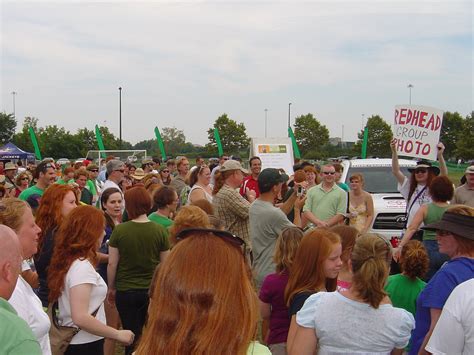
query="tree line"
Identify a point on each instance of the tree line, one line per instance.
(311, 135)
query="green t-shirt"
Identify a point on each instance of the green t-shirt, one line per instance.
(404, 291)
(61, 182)
(162, 221)
(433, 214)
(90, 185)
(16, 338)
(33, 190)
(139, 246)
(326, 204)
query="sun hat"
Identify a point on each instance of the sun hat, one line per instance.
(425, 164)
(455, 223)
(269, 177)
(232, 165)
(138, 174)
(469, 170)
(9, 166)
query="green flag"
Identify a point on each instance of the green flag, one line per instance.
(363, 154)
(218, 142)
(160, 143)
(100, 143)
(296, 151)
(35, 143)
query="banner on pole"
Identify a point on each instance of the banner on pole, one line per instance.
(218, 142)
(35, 143)
(100, 143)
(363, 153)
(417, 130)
(296, 150)
(161, 145)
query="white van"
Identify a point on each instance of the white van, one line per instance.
(389, 205)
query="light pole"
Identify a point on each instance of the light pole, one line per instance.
(120, 117)
(266, 110)
(13, 95)
(289, 113)
(410, 86)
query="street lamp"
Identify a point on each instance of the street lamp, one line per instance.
(410, 86)
(120, 117)
(266, 110)
(13, 95)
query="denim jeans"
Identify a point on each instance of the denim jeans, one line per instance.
(436, 258)
(132, 306)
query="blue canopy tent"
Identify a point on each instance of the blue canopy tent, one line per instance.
(11, 151)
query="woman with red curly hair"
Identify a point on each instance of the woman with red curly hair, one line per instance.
(75, 284)
(55, 205)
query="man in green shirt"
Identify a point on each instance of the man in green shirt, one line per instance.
(326, 203)
(15, 335)
(45, 175)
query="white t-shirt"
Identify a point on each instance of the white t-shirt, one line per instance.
(344, 326)
(424, 197)
(82, 272)
(29, 307)
(454, 332)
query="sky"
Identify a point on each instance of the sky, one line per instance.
(183, 64)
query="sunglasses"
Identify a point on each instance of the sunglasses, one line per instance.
(226, 236)
(165, 171)
(94, 171)
(25, 178)
(328, 173)
(420, 171)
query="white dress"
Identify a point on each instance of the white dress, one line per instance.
(195, 187)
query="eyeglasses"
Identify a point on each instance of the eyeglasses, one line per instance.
(420, 171)
(328, 173)
(94, 170)
(165, 171)
(443, 233)
(226, 236)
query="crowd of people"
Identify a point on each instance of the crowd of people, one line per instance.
(165, 258)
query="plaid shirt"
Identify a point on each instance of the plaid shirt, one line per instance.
(233, 210)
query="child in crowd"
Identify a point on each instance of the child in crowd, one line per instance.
(272, 293)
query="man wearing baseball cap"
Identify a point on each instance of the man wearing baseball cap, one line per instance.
(464, 194)
(267, 221)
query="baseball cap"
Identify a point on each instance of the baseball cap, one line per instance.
(270, 177)
(113, 165)
(232, 165)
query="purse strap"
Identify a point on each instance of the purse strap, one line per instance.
(55, 310)
(408, 210)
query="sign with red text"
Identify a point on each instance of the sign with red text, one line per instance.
(417, 129)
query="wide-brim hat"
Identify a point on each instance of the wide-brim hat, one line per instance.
(9, 166)
(469, 169)
(425, 164)
(138, 174)
(232, 165)
(458, 224)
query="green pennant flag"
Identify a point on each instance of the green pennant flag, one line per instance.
(218, 142)
(161, 145)
(296, 150)
(363, 154)
(100, 143)
(35, 143)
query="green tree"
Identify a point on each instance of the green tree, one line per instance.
(22, 139)
(173, 139)
(310, 135)
(85, 140)
(465, 144)
(453, 125)
(233, 135)
(379, 137)
(7, 127)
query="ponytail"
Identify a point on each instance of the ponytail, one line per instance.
(370, 266)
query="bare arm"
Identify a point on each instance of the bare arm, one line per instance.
(291, 333)
(299, 204)
(103, 258)
(288, 204)
(79, 302)
(435, 314)
(412, 228)
(164, 255)
(114, 257)
(265, 310)
(197, 194)
(442, 163)
(312, 218)
(395, 166)
(369, 202)
(335, 220)
(305, 342)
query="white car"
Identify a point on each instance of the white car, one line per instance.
(389, 205)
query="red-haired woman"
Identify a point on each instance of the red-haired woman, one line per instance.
(55, 205)
(136, 247)
(315, 268)
(75, 284)
(198, 309)
(22, 183)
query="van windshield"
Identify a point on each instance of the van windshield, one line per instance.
(378, 179)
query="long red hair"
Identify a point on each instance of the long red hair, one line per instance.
(77, 238)
(201, 307)
(307, 271)
(48, 216)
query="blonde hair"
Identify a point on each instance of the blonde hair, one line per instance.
(370, 267)
(286, 247)
(11, 212)
(188, 217)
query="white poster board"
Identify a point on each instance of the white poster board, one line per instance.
(417, 130)
(273, 152)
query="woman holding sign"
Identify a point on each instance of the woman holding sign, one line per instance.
(415, 188)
